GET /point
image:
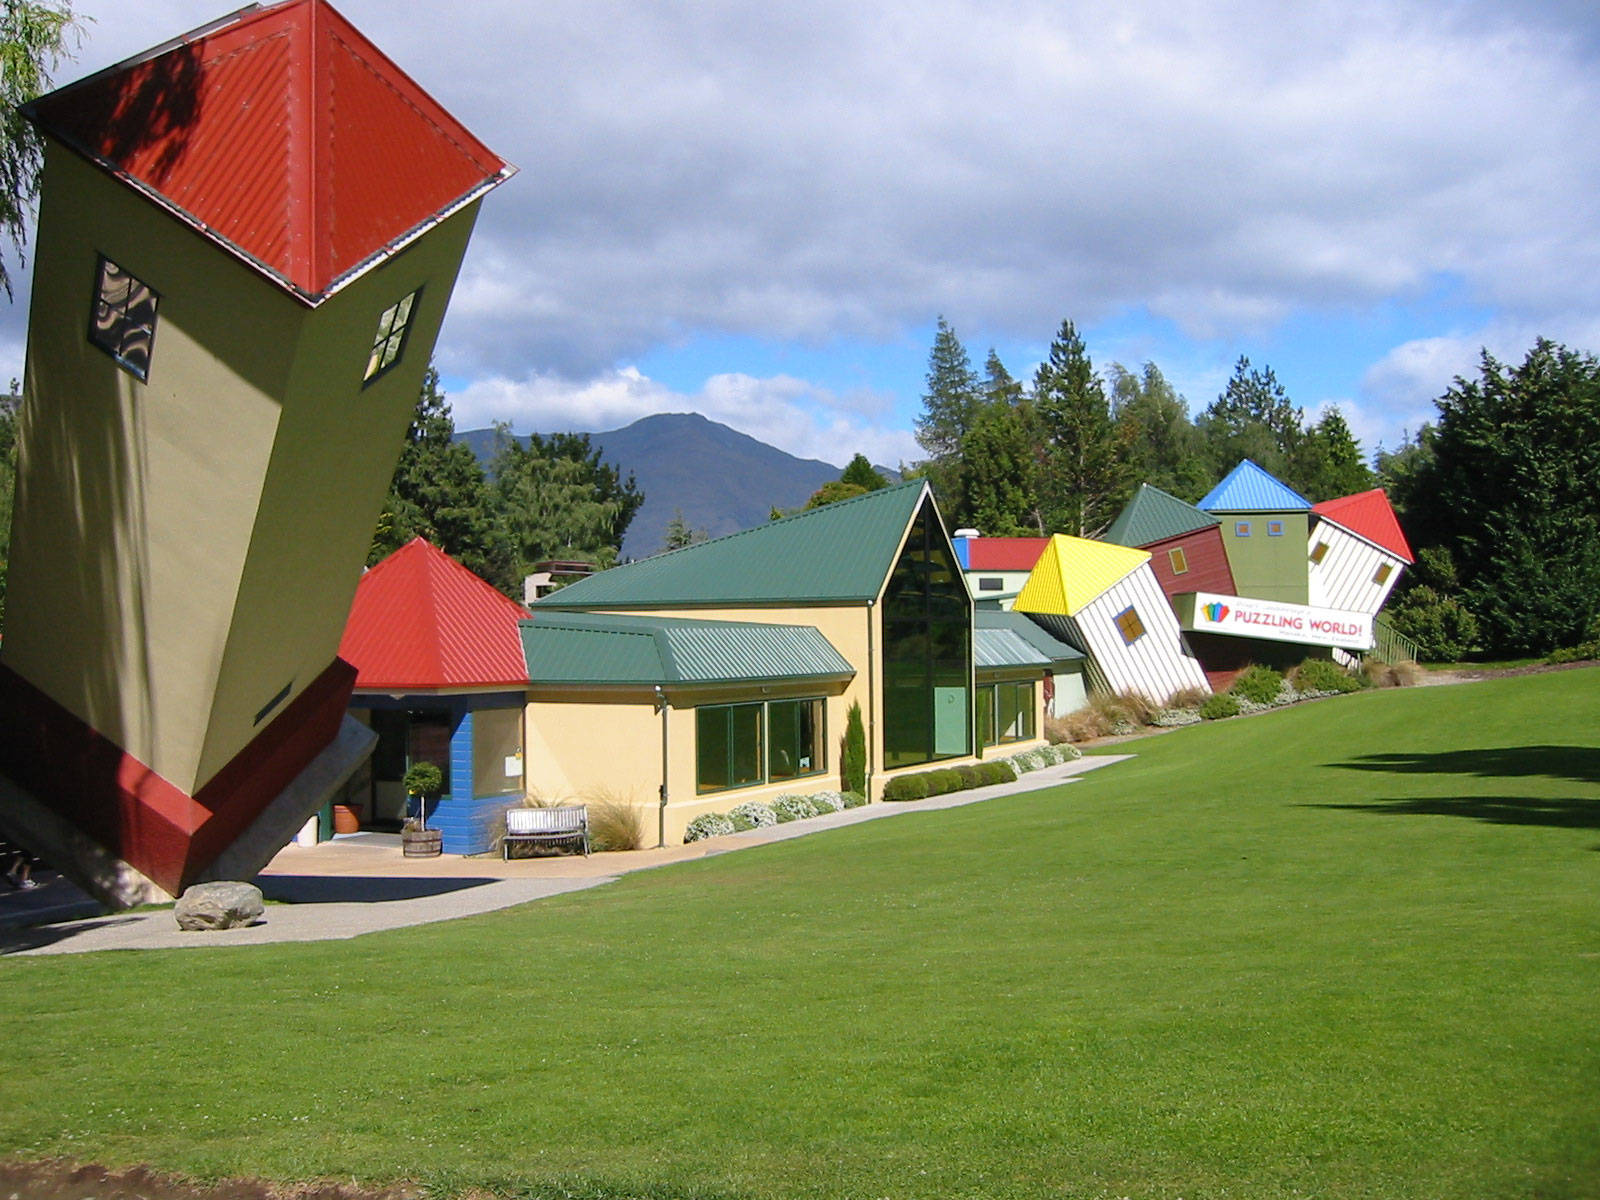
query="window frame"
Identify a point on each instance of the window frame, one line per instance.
(1274, 528)
(989, 733)
(116, 346)
(1381, 575)
(1318, 553)
(1241, 529)
(389, 334)
(1178, 560)
(764, 747)
(1129, 614)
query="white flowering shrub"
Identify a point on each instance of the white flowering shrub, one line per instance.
(753, 814)
(1123, 727)
(1066, 752)
(1173, 718)
(827, 802)
(709, 825)
(790, 807)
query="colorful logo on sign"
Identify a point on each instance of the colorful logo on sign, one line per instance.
(1215, 613)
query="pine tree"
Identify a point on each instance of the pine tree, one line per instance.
(1253, 419)
(1327, 462)
(1163, 446)
(1084, 478)
(948, 407)
(680, 533)
(863, 475)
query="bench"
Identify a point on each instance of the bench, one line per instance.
(540, 826)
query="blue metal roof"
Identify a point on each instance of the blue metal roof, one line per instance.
(1247, 488)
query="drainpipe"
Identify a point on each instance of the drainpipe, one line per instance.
(661, 811)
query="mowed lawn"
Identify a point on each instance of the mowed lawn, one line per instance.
(1350, 949)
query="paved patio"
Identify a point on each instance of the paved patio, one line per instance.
(362, 884)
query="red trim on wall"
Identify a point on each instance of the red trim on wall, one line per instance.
(134, 813)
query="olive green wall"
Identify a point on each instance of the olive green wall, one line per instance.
(1264, 567)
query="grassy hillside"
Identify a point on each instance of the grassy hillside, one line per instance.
(1350, 949)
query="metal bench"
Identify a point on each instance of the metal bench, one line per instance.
(541, 826)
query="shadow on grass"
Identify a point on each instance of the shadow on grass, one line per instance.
(1581, 764)
(1567, 813)
(34, 937)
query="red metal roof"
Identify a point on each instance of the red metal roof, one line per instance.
(423, 622)
(284, 135)
(1368, 515)
(1004, 554)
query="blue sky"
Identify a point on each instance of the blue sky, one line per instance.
(759, 211)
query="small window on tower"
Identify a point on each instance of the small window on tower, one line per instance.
(1381, 575)
(1241, 529)
(124, 322)
(391, 340)
(1319, 552)
(1129, 625)
(1179, 560)
(1274, 528)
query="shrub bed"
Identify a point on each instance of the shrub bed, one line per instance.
(790, 807)
(1223, 704)
(708, 825)
(753, 814)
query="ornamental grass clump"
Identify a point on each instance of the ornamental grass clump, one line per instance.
(615, 821)
(709, 825)
(752, 814)
(790, 807)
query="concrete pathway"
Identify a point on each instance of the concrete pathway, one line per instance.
(361, 884)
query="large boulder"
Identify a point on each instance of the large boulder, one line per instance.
(218, 906)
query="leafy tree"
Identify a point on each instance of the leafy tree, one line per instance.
(1327, 461)
(1164, 449)
(1001, 473)
(1404, 474)
(557, 500)
(1441, 626)
(863, 475)
(680, 533)
(1085, 475)
(439, 492)
(1253, 419)
(33, 40)
(834, 491)
(1512, 491)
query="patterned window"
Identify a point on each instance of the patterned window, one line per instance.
(1129, 625)
(1381, 575)
(1241, 529)
(391, 338)
(1179, 560)
(124, 323)
(1319, 552)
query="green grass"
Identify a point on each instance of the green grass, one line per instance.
(1349, 949)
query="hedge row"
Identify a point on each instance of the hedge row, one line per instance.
(958, 779)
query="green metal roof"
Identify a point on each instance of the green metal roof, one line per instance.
(1154, 516)
(1023, 626)
(996, 648)
(839, 553)
(608, 648)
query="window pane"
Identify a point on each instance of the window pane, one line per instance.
(124, 319)
(783, 732)
(496, 745)
(1129, 625)
(986, 716)
(745, 722)
(390, 338)
(711, 748)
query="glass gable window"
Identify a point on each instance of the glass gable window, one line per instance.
(927, 651)
(393, 326)
(124, 322)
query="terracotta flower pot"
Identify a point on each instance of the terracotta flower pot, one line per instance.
(346, 819)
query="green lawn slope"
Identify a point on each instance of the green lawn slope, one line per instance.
(1350, 949)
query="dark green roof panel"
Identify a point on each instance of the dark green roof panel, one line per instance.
(1154, 516)
(611, 648)
(838, 553)
(1025, 627)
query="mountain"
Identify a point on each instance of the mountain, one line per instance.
(722, 480)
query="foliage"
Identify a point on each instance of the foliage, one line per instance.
(793, 808)
(1219, 705)
(1001, 472)
(753, 814)
(557, 500)
(1443, 628)
(1259, 684)
(1174, 718)
(1582, 652)
(33, 41)
(1163, 447)
(1252, 418)
(834, 491)
(1084, 478)
(905, 787)
(1324, 675)
(439, 492)
(615, 821)
(853, 758)
(708, 825)
(680, 534)
(827, 802)
(423, 779)
(1512, 491)
(945, 780)
(1327, 462)
(948, 406)
(853, 799)
(860, 472)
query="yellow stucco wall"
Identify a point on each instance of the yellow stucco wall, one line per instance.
(186, 545)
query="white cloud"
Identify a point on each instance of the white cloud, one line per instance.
(789, 413)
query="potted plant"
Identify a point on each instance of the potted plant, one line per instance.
(422, 780)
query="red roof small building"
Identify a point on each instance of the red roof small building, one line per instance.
(1369, 515)
(421, 622)
(283, 135)
(1004, 553)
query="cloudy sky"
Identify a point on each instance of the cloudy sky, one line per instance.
(757, 211)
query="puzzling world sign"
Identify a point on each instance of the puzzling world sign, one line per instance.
(1240, 616)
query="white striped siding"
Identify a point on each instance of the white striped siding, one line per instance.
(1343, 579)
(1156, 664)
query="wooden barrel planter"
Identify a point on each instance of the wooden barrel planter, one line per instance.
(422, 843)
(346, 819)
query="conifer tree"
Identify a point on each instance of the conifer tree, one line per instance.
(948, 407)
(1164, 448)
(1253, 419)
(1084, 477)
